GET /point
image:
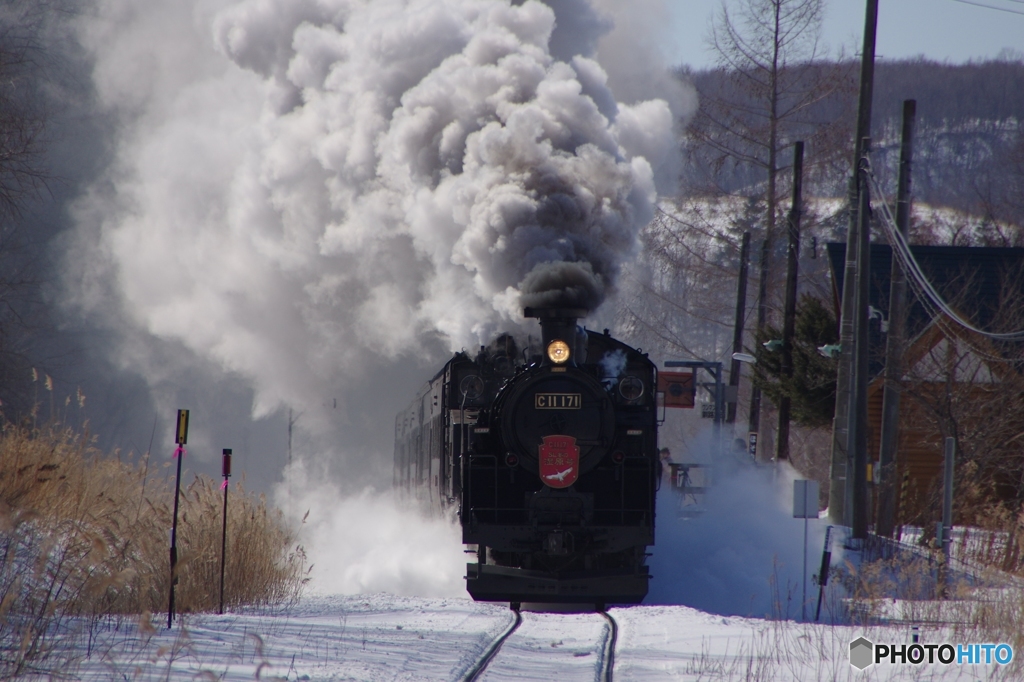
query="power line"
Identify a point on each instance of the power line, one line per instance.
(910, 265)
(1001, 9)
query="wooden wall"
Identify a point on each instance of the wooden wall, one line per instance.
(919, 456)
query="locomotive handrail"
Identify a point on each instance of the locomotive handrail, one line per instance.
(642, 517)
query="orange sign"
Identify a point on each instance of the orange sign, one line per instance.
(559, 461)
(679, 388)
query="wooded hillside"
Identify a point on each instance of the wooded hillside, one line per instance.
(969, 151)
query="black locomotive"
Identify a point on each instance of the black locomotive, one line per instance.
(548, 455)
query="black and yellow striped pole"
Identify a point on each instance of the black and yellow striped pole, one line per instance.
(180, 438)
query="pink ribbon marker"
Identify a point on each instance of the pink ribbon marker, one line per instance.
(224, 484)
(179, 451)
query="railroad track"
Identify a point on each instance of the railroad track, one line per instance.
(531, 655)
(478, 669)
(608, 652)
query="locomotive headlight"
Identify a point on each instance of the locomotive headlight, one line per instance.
(558, 352)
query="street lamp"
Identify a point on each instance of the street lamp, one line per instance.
(829, 350)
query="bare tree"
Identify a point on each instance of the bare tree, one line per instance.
(962, 385)
(776, 93)
(22, 178)
(21, 115)
(678, 300)
(1002, 198)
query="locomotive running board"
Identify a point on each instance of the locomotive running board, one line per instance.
(499, 583)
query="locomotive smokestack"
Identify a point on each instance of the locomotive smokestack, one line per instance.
(557, 325)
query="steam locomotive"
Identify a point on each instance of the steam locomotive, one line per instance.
(548, 457)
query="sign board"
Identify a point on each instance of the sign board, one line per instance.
(679, 388)
(805, 499)
(181, 434)
(559, 461)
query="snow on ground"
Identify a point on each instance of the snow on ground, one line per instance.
(680, 643)
(551, 646)
(383, 637)
(742, 557)
(365, 637)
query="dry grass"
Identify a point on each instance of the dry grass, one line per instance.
(86, 535)
(968, 602)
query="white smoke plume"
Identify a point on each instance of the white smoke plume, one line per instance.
(368, 541)
(306, 191)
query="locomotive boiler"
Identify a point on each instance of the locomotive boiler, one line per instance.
(547, 455)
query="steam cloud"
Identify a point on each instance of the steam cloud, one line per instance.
(392, 548)
(742, 556)
(309, 203)
(305, 187)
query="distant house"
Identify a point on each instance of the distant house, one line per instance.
(941, 359)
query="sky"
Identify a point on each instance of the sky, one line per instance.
(943, 30)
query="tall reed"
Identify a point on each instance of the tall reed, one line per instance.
(85, 535)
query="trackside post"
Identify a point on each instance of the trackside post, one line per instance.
(226, 472)
(180, 438)
(826, 562)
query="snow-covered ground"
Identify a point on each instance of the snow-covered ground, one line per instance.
(742, 557)
(383, 637)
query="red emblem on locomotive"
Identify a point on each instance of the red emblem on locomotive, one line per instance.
(559, 461)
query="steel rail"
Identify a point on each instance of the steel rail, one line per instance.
(478, 669)
(608, 650)
(605, 668)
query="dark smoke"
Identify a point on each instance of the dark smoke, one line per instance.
(563, 285)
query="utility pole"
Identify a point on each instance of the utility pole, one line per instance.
(857, 437)
(754, 424)
(789, 315)
(841, 483)
(737, 331)
(896, 339)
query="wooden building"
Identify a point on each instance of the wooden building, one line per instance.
(942, 361)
